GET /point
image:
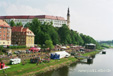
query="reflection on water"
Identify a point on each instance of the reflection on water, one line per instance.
(100, 66)
(59, 72)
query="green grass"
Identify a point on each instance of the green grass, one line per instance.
(91, 53)
(20, 69)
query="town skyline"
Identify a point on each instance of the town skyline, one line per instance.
(89, 17)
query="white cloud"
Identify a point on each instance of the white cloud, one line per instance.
(3, 4)
(22, 10)
(91, 17)
(56, 10)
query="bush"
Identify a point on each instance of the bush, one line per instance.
(1, 48)
(16, 47)
(5, 50)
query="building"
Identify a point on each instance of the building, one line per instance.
(90, 46)
(68, 18)
(5, 33)
(57, 21)
(22, 36)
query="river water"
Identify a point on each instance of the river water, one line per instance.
(102, 65)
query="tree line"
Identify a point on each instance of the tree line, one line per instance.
(56, 35)
(109, 42)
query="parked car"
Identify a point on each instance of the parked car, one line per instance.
(15, 61)
(17, 52)
(33, 49)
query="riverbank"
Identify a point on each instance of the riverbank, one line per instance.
(33, 69)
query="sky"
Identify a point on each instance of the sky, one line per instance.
(90, 17)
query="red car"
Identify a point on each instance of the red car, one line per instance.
(33, 49)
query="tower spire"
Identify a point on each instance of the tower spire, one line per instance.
(68, 18)
(68, 14)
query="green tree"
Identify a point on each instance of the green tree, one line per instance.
(73, 35)
(43, 37)
(64, 34)
(27, 24)
(88, 39)
(35, 28)
(79, 39)
(1, 48)
(12, 23)
(49, 44)
(19, 24)
(50, 30)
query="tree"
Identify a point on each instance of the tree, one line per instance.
(12, 23)
(64, 34)
(50, 30)
(88, 39)
(78, 39)
(27, 24)
(49, 44)
(19, 24)
(35, 28)
(1, 48)
(73, 35)
(43, 37)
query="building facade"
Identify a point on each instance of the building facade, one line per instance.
(5, 33)
(22, 36)
(57, 21)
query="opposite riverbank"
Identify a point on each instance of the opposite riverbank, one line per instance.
(32, 69)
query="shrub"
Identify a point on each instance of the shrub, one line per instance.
(1, 48)
(16, 47)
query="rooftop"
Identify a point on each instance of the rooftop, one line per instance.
(31, 17)
(3, 24)
(22, 29)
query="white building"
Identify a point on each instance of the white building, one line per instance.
(57, 21)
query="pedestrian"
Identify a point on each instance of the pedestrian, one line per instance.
(2, 65)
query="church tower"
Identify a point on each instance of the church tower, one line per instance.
(68, 18)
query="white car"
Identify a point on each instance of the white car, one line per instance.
(15, 61)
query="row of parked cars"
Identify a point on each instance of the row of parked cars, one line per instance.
(31, 50)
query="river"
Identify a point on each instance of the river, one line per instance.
(102, 65)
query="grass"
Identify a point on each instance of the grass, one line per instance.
(20, 69)
(91, 53)
(29, 68)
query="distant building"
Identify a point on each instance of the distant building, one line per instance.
(57, 21)
(90, 46)
(22, 36)
(5, 33)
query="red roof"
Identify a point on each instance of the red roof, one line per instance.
(19, 29)
(3, 24)
(31, 17)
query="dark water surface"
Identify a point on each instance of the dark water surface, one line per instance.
(102, 65)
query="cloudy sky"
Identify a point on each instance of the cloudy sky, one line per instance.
(90, 17)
